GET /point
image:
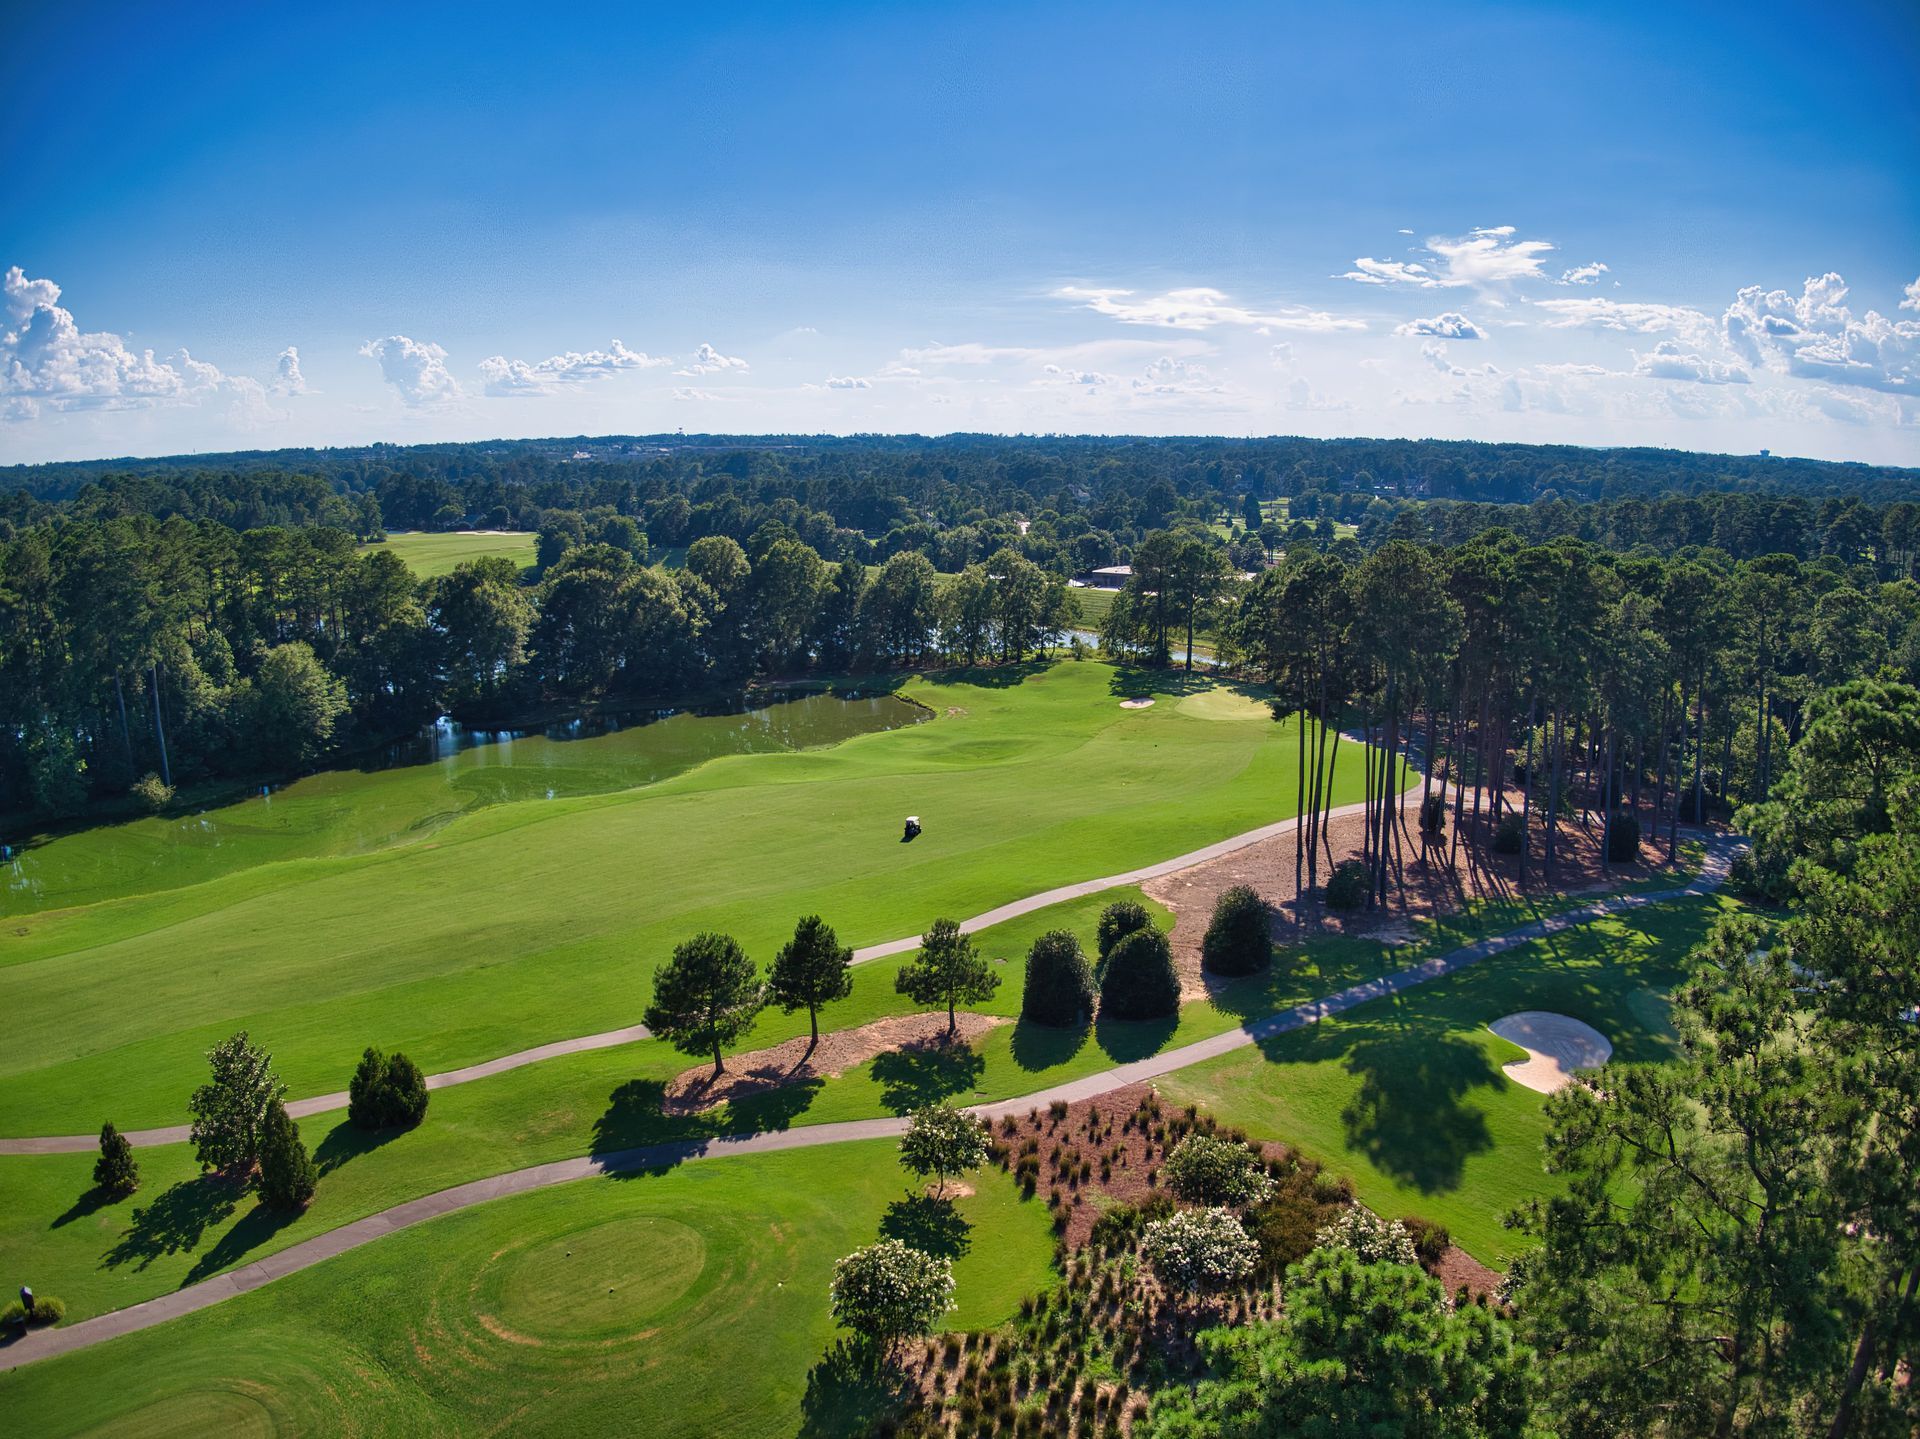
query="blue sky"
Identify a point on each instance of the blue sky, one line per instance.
(1669, 224)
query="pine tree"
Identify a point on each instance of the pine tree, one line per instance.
(115, 1171)
(287, 1172)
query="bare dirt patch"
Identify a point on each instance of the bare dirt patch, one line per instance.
(1427, 881)
(762, 1070)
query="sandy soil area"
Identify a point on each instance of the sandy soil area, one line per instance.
(1556, 1045)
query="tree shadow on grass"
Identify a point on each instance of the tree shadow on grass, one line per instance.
(175, 1221)
(255, 1228)
(933, 1226)
(926, 1072)
(92, 1202)
(346, 1140)
(1043, 1046)
(1411, 1117)
(849, 1392)
(1125, 1040)
(634, 1120)
(991, 677)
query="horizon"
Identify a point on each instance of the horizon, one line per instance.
(1666, 227)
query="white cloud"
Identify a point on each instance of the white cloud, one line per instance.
(1450, 326)
(1912, 302)
(688, 392)
(287, 379)
(1485, 257)
(1435, 354)
(1583, 274)
(558, 372)
(848, 382)
(1815, 336)
(1629, 316)
(1201, 308)
(1301, 395)
(707, 360)
(1669, 360)
(1089, 380)
(1170, 376)
(1369, 271)
(416, 370)
(48, 362)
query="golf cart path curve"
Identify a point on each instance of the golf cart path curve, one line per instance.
(327, 1103)
(46, 1343)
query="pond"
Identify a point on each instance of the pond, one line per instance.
(417, 787)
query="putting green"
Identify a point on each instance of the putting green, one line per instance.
(535, 921)
(469, 1324)
(605, 1281)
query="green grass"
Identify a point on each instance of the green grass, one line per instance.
(1407, 1095)
(528, 922)
(432, 555)
(181, 1229)
(499, 1319)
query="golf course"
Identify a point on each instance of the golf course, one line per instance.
(430, 555)
(495, 896)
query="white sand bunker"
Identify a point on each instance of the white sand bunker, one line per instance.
(1556, 1046)
(1136, 704)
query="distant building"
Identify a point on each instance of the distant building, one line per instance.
(1107, 577)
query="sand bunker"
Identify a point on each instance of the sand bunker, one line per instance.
(1136, 704)
(1556, 1046)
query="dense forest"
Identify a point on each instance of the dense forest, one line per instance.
(1649, 614)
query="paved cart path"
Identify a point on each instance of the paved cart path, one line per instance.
(326, 1103)
(45, 1343)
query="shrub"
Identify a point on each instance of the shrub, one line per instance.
(1349, 885)
(1433, 814)
(889, 1291)
(287, 1174)
(1059, 981)
(1200, 1250)
(1623, 839)
(1286, 1226)
(115, 1171)
(1205, 1170)
(1430, 1241)
(942, 1140)
(152, 793)
(46, 1310)
(386, 1091)
(1120, 919)
(1375, 1240)
(1137, 980)
(1238, 940)
(1511, 836)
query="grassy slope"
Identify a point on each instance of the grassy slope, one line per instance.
(530, 922)
(179, 1228)
(496, 1319)
(432, 555)
(1407, 1096)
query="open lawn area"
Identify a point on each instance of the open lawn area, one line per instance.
(689, 1302)
(534, 921)
(1407, 1096)
(430, 555)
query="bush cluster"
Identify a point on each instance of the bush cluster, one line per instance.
(46, 1310)
(1206, 1169)
(386, 1091)
(1511, 836)
(1137, 978)
(1430, 1241)
(1120, 919)
(1623, 839)
(1059, 988)
(1238, 939)
(1433, 814)
(1348, 887)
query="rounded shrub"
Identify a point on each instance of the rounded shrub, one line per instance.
(1348, 886)
(1059, 981)
(152, 793)
(1120, 919)
(1206, 1169)
(1138, 980)
(1623, 839)
(1430, 1241)
(1238, 938)
(1433, 815)
(386, 1091)
(1511, 836)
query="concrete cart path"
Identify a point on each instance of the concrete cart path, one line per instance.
(45, 1343)
(326, 1103)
